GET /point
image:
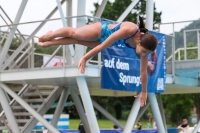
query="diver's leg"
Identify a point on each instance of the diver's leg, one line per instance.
(67, 41)
(90, 32)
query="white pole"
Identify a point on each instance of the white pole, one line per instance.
(149, 14)
(127, 11)
(80, 22)
(132, 116)
(12, 32)
(152, 96)
(101, 8)
(87, 102)
(8, 111)
(156, 113)
(80, 110)
(64, 24)
(107, 114)
(60, 106)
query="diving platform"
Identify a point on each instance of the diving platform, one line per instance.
(66, 76)
(184, 64)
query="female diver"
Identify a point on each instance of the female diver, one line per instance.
(101, 35)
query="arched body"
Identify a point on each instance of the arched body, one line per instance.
(101, 35)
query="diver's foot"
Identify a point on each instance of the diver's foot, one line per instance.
(45, 37)
(45, 44)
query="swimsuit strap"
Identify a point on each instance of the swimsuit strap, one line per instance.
(132, 35)
(116, 27)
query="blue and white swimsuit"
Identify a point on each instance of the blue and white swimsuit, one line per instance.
(106, 32)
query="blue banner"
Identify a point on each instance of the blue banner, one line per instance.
(121, 67)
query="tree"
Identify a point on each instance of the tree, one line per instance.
(178, 106)
(113, 104)
(191, 53)
(114, 10)
(186, 99)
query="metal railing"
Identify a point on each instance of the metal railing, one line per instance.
(29, 58)
(34, 59)
(177, 51)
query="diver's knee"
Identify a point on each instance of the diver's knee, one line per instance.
(74, 34)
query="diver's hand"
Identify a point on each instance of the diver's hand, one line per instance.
(143, 98)
(150, 66)
(154, 57)
(81, 65)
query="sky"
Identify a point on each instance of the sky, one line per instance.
(172, 11)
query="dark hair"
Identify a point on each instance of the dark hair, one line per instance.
(115, 127)
(141, 25)
(149, 41)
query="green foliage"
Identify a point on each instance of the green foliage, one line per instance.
(106, 124)
(103, 123)
(178, 106)
(114, 10)
(113, 105)
(191, 53)
(191, 36)
(47, 50)
(16, 42)
(179, 40)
